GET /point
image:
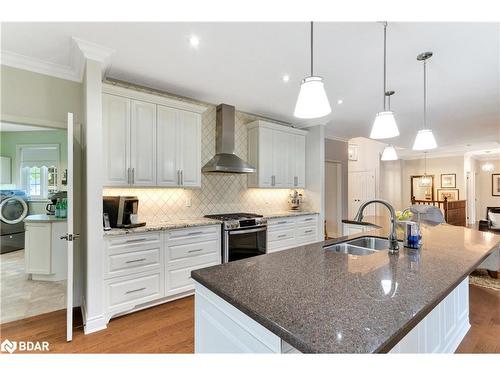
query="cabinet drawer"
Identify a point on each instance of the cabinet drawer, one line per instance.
(179, 280)
(131, 241)
(280, 235)
(307, 220)
(133, 261)
(193, 249)
(309, 231)
(193, 234)
(280, 223)
(125, 293)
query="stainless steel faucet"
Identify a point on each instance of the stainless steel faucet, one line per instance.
(393, 238)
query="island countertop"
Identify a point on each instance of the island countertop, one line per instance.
(320, 301)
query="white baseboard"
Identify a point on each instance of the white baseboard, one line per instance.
(94, 324)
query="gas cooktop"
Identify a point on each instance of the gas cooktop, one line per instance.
(239, 220)
(235, 216)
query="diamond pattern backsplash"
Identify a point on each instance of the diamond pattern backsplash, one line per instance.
(219, 193)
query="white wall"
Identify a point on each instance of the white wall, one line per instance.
(483, 190)
(336, 150)
(391, 183)
(315, 173)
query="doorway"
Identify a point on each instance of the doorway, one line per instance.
(333, 199)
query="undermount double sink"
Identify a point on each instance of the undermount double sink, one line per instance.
(361, 246)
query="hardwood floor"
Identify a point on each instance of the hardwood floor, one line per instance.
(169, 328)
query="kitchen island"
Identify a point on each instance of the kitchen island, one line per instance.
(312, 300)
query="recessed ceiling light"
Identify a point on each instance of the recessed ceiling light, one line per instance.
(194, 41)
(286, 78)
(340, 101)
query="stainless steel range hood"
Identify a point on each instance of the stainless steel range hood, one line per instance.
(225, 161)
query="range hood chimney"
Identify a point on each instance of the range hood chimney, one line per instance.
(225, 161)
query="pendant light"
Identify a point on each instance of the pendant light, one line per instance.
(487, 167)
(425, 138)
(389, 153)
(425, 180)
(384, 125)
(312, 101)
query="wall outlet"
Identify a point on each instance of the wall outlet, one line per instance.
(188, 202)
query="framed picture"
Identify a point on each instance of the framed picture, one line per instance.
(495, 184)
(352, 152)
(449, 194)
(449, 180)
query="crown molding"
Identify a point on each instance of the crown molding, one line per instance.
(81, 50)
(32, 64)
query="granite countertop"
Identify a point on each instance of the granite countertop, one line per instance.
(164, 225)
(274, 215)
(325, 302)
(43, 218)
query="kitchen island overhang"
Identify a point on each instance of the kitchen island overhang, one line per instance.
(315, 301)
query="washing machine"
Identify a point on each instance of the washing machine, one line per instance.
(13, 210)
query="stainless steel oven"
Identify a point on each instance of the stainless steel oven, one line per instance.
(244, 235)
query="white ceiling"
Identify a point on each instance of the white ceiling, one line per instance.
(243, 64)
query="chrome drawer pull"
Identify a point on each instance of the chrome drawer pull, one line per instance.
(135, 290)
(136, 240)
(281, 222)
(308, 219)
(194, 233)
(135, 260)
(194, 251)
(282, 235)
(308, 231)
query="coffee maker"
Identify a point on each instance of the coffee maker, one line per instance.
(117, 211)
(51, 207)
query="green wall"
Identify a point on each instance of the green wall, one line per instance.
(38, 99)
(9, 140)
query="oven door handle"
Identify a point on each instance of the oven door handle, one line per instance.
(244, 231)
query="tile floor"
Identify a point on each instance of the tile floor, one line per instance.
(22, 298)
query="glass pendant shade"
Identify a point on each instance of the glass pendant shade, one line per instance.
(384, 126)
(389, 154)
(424, 140)
(425, 181)
(312, 101)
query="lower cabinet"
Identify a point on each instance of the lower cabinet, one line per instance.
(284, 233)
(142, 270)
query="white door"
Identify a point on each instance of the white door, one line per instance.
(190, 150)
(333, 200)
(361, 188)
(300, 161)
(70, 235)
(143, 144)
(116, 140)
(168, 167)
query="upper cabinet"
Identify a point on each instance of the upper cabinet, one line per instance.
(278, 152)
(150, 140)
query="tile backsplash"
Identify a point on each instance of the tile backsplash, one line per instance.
(219, 193)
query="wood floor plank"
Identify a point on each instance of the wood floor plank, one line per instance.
(169, 328)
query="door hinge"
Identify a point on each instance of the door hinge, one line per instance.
(70, 236)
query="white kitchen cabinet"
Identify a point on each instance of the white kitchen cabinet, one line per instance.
(143, 144)
(278, 153)
(116, 140)
(45, 254)
(150, 140)
(287, 232)
(145, 269)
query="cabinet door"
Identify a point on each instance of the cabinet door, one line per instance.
(290, 177)
(280, 153)
(190, 148)
(143, 144)
(300, 161)
(38, 249)
(116, 139)
(265, 147)
(167, 146)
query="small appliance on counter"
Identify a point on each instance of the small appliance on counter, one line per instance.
(120, 212)
(54, 197)
(412, 234)
(294, 200)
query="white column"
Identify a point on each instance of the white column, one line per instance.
(315, 174)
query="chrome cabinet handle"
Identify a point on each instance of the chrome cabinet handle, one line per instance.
(308, 219)
(194, 251)
(135, 260)
(136, 240)
(308, 231)
(133, 175)
(281, 222)
(295, 181)
(182, 177)
(282, 235)
(178, 177)
(194, 233)
(135, 290)
(273, 180)
(128, 176)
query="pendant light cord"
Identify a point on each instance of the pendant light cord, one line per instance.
(312, 41)
(425, 94)
(385, 63)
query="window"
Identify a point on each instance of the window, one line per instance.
(38, 166)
